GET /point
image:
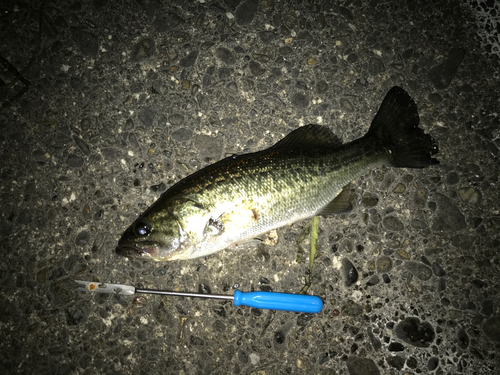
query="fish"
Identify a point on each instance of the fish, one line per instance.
(307, 173)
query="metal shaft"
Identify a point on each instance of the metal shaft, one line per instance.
(128, 290)
(183, 294)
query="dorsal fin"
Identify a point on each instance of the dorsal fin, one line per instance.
(310, 135)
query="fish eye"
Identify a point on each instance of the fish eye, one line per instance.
(142, 229)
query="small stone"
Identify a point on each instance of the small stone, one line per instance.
(195, 340)
(371, 265)
(312, 61)
(260, 57)
(470, 195)
(41, 276)
(487, 307)
(352, 309)
(299, 100)
(396, 347)
(176, 119)
(82, 145)
(435, 98)
(247, 85)
(455, 314)
(255, 68)
(82, 239)
(182, 134)
(321, 21)
(279, 337)
(477, 283)
(412, 363)
(243, 357)
(407, 54)
(255, 312)
(433, 363)
(369, 200)
(159, 272)
(168, 22)
(246, 11)
(396, 361)
(415, 332)
(438, 270)
(373, 281)
(418, 224)
(463, 241)
(349, 272)
(147, 116)
(225, 55)
(441, 285)
(452, 178)
(254, 358)
(324, 358)
(419, 270)
(208, 146)
(393, 224)
(421, 198)
(224, 73)
(491, 328)
(303, 319)
(87, 42)
(267, 36)
(384, 264)
(75, 315)
(403, 254)
(376, 66)
(346, 105)
(219, 326)
(204, 288)
(74, 161)
(399, 189)
(352, 58)
(285, 51)
(143, 50)
(463, 339)
(361, 366)
(189, 60)
(321, 87)
(448, 218)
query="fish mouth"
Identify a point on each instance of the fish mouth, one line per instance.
(133, 251)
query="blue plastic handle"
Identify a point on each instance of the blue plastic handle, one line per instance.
(279, 301)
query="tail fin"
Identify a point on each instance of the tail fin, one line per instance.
(396, 126)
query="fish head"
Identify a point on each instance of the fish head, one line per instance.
(156, 236)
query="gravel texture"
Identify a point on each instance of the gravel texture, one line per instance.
(106, 104)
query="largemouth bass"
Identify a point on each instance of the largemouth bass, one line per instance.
(243, 196)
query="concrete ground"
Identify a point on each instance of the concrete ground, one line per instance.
(106, 104)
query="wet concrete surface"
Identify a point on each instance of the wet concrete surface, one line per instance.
(106, 104)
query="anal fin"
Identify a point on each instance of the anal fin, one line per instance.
(340, 204)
